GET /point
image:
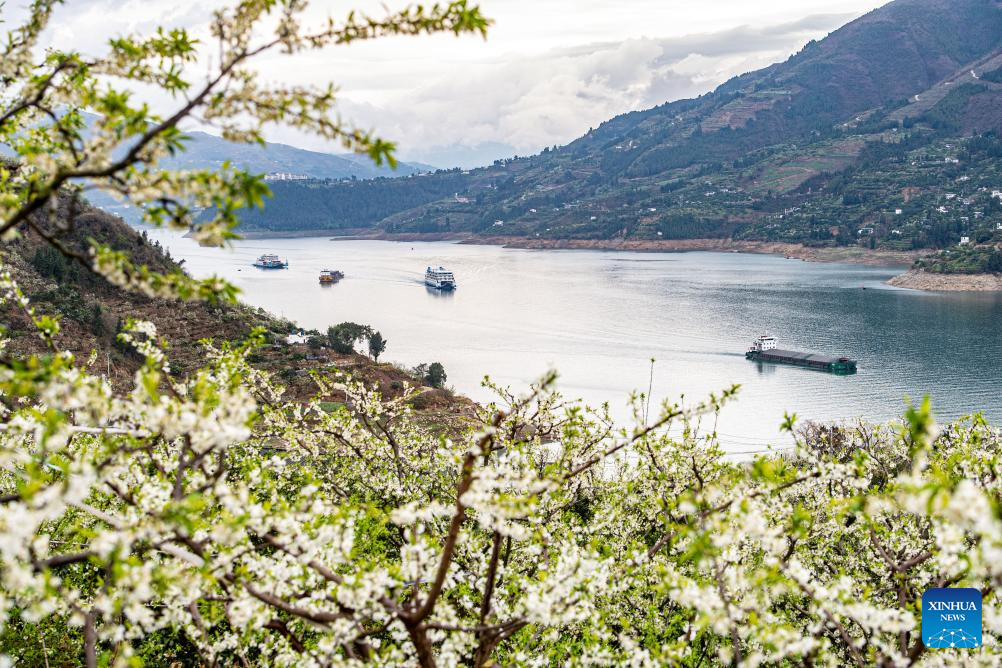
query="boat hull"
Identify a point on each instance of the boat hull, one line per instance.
(330, 277)
(842, 366)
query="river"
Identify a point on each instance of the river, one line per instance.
(598, 318)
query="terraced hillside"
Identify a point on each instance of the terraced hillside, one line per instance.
(914, 77)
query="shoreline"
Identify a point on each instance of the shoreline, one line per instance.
(916, 279)
(910, 279)
(845, 254)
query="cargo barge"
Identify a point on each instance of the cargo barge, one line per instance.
(764, 349)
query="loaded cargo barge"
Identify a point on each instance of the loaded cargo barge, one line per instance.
(764, 349)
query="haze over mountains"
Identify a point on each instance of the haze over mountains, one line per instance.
(906, 77)
(205, 151)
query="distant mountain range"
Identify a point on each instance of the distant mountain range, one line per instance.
(858, 138)
(205, 151)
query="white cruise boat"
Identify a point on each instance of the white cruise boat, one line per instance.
(440, 279)
(270, 261)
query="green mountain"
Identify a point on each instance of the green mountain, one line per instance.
(882, 134)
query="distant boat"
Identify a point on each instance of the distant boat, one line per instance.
(328, 276)
(269, 261)
(440, 279)
(764, 349)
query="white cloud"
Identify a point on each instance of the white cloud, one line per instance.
(523, 103)
(550, 69)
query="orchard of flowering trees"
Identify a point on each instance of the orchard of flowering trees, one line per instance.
(211, 521)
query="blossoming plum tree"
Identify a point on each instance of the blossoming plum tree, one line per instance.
(210, 520)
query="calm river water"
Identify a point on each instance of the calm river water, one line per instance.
(599, 317)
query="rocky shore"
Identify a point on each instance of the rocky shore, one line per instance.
(922, 280)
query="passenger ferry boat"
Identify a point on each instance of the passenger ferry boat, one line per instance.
(440, 279)
(330, 276)
(268, 261)
(765, 349)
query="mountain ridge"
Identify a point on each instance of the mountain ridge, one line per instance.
(725, 163)
(276, 157)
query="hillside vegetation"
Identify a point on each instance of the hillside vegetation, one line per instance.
(211, 515)
(93, 313)
(981, 259)
(883, 135)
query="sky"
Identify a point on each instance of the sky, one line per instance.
(548, 71)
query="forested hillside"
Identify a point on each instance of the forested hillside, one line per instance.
(883, 135)
(299, 205)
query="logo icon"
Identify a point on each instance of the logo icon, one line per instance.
(951, 618)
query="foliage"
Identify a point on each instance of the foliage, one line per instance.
(994, 76)
(212, 520)
(377, 345)
(854, 132)
(343, 337)
(433, 374)
(210, 517)
(970, 259)
(309, 204)
(49, 262)
(76, 126)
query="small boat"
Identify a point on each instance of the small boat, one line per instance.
(440, 279)
(765, 349)
(268, 261)
(328, 276)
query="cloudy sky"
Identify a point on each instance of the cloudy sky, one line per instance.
(549, 70)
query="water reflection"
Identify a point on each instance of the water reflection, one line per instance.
(598, 318)
(765, 369)
(443, 294)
